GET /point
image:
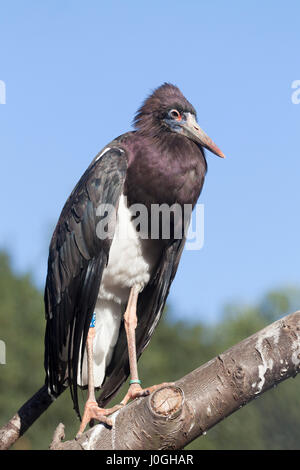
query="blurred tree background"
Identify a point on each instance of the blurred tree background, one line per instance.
(270, 422)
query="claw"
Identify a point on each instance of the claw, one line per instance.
(136, 391)
(92, 411)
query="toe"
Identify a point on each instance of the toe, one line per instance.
(143, 393)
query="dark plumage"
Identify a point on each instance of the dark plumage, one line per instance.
(161, 161)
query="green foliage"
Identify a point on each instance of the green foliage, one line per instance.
(270, 422)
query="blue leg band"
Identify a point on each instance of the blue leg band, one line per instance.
(93, 321)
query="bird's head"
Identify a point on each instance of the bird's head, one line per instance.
(167, 110)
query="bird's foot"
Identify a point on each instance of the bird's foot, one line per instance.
(92, 411)
(136, 391)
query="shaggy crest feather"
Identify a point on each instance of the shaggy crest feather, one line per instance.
(149, 116)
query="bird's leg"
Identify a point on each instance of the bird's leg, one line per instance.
(130, 323)
(130, 320)
(91, 409)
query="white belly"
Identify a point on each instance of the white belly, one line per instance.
(131, 262)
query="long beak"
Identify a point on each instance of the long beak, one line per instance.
(192, 130)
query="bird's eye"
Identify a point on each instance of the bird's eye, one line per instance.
(175, 114)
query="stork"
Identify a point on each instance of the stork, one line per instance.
(104, 295)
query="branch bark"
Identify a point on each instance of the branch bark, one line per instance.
(24, 418)
(177, 414)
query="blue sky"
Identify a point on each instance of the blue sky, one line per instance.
(75, 73)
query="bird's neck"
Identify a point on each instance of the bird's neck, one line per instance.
(165, 168)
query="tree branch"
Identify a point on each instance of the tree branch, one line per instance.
(177, 414)
(24, 418)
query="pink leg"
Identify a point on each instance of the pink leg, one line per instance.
(91, 409)
(130, 319)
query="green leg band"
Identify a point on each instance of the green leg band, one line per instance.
(135, 381)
